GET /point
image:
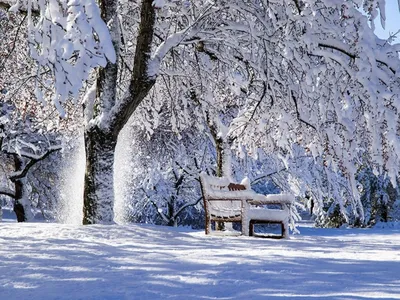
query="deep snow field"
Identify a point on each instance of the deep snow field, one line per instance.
(54, 261)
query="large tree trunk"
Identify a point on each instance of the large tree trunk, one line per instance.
(99, 177)
(19, 192)
(98, 198)
(18, 206)
(22, 206)
(100, 141)
(171, 212)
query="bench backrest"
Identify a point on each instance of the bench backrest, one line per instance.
(221, 195)
(212, 184)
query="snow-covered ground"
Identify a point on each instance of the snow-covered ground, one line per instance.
(53, 261)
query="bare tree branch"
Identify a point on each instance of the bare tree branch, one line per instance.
(3, 62)
(5, 5)
(140, 83)
(186, 206)
(32, 162)
(266, 175)
(298, 113)
(353, 56)
(7, 192)
(298, 7)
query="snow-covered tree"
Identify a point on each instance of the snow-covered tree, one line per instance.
(28, 133)
(24, 156)
(320, 77)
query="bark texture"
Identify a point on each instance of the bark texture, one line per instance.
(98, 189)
(18, 206)
(100, 140)
(140, 83)
(22, 165)
(223, 152)
(21, 205)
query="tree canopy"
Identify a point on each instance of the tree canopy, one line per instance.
(257, 77)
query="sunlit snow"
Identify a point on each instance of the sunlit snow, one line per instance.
(53, 261)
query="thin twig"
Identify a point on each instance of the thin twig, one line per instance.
(2, 65)
(298, 113)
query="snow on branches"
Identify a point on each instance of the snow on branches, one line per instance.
(279, 73)
(293, 72)
(68, 39)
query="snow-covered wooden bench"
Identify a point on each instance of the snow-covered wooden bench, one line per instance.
(225, 201)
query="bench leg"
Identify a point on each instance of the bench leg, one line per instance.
(246, 227)
(251, 228)
(284, 228)
(208, 225)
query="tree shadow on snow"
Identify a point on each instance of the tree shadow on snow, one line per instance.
(148, 262)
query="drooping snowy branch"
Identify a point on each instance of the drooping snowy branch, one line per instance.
(69, 39)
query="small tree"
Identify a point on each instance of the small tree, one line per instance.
(24, 155)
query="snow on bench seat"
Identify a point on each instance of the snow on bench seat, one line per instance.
(222, 204)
